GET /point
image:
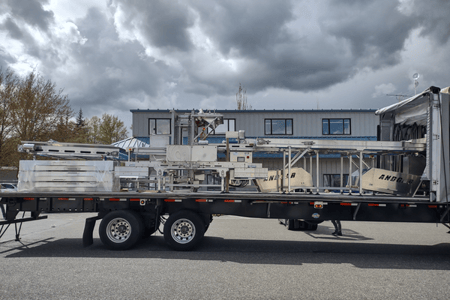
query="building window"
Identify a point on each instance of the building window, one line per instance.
(159, 126)
(228, 125)
(278, 126)
(336, 126)
(334, 180)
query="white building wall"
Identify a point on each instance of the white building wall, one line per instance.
(305, 123)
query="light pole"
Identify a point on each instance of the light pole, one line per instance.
(416, 82)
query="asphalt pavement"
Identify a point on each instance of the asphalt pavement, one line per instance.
(239, 258)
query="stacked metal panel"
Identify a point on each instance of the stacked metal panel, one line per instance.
(67, 176)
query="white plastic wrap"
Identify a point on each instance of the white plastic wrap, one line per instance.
(67, 176)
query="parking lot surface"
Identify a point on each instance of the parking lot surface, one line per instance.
(239, 258)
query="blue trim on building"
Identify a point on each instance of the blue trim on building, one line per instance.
(280, 155)
(219, 140)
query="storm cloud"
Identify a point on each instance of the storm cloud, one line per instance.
(116, 55)
(31, 12)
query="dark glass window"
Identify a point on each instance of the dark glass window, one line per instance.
(159, 126)
(334, 180)
(278, 127)
(228, 125)
(336, 127)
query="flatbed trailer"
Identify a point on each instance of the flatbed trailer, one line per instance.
(298, 210)
(186, 210)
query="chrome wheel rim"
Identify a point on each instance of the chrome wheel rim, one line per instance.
(183, 231)
(118, 230)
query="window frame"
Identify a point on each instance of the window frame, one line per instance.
(285, 126)
(343, 126)
(228, 126)
(156, 126)
(344, 182)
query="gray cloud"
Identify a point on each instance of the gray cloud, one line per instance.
(274, 54)
(354, 35)
(20, 13)
(6, 59)
(163, 54)
(11, 27)
(434, 18)
(22, 35)
(107, 71)
(375, 31)
(31, 12)
(165, 24)
(245, 26)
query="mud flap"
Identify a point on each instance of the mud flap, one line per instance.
(88, 233)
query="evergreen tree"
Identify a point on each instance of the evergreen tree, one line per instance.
(80, 120)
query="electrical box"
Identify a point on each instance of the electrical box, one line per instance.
(246, 157)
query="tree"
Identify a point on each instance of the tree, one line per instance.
(32, 109)
(81, 131)
(80, 120)
(8, 84)
(65, 131)
(107, 130)
(241, 99)
(93, 130)
(38, 108)
(112, 129)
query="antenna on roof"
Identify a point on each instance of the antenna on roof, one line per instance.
(399, 97)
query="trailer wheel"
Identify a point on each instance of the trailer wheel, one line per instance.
(184, 230)
(121, 229)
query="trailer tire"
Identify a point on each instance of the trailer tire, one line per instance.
(121, 229)
(184, 230)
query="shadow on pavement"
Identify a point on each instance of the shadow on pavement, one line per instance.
(361, 255)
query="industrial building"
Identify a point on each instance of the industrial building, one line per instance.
(348, 124)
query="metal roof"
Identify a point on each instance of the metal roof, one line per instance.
(132, 142)
(252, 110)
(407, 103)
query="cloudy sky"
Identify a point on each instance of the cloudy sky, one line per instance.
(115, 55)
